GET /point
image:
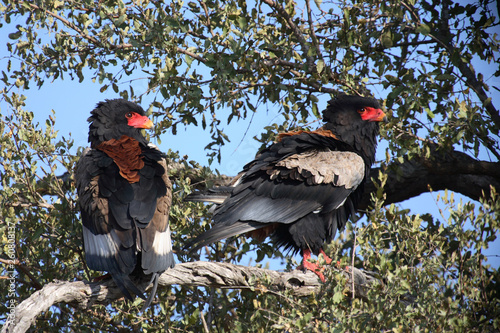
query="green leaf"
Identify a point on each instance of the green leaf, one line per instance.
(429, 112)
(15, 35)
(189, 60)
(242, 22)
(338, 297)
(386, 39)
(423, 29)
(320, 65)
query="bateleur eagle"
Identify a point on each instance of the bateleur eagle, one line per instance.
(125, 196)
(303, 188)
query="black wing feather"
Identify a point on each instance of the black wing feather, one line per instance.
(122, 220)
(307, 211)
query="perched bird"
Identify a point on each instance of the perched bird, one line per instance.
(303, 188)
(125, 196)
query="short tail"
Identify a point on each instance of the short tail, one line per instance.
(218, 195)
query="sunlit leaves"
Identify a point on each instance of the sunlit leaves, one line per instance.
(37, 197)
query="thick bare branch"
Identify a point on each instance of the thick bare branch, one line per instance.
(84, 294)
(454, 171)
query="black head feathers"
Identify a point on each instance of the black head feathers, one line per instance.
(354, 121)
(117, 117)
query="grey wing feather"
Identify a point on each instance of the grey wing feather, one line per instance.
(339, 168)
(219, 231)
(156, 244)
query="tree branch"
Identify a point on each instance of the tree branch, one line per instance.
(443, 36)
(67, 23)
(296, 31)
(83, 294)
(453, 170)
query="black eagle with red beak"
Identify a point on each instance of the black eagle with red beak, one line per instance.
(303, 188)
(125, 197)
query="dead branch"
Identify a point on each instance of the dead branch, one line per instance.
(84, 294)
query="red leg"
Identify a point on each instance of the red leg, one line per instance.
(328, 260)
(306, 253)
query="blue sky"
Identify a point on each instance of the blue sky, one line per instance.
(72, 101)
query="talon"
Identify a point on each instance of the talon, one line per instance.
(310, 266)
(328, 260)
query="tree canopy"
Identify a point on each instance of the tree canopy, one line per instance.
(208, 64)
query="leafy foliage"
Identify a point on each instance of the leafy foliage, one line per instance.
(208, 63)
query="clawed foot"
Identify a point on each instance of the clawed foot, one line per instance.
(315, 268)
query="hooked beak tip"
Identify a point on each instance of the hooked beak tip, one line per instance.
(148, 124)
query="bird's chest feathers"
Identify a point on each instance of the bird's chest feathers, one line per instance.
(126, 153)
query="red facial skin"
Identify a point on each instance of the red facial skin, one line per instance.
(371, 114)
(137, 121)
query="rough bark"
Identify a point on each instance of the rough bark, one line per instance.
(84, 294)
(453, 170)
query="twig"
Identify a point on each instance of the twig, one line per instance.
(296, 31)
(205, 326)
(24, 269)
(352, 262)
